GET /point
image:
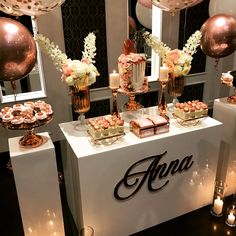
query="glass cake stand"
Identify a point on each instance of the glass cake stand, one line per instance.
(30, 139)
(132, 105)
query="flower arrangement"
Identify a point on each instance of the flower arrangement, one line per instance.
(178, 61)
(74, 71)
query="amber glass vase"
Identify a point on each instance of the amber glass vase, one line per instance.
(80, 99)
(175, 87)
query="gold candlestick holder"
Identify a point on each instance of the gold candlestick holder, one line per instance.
(162, 106)
(115, 111)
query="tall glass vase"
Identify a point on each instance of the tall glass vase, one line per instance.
(175, 88)
(80, 98)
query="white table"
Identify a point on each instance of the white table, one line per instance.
(36, 179)
(92, 173)
(226, 113)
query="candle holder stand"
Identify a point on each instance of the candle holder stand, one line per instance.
(231, 216)
(231, 213)
(162, 106)
(218, 199)
(115, 111)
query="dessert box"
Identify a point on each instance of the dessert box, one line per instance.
(190, 110)
(149, 126)
(105, 127)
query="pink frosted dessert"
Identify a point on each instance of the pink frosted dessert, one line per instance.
(131, 67)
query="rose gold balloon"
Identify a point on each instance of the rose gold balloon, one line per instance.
(174, 5)
(17, 50)
(32, 7)
(146, 3)
(9, 11)
(219, 36)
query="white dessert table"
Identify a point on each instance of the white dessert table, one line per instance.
(96, 175)
(36, 179)
(226, 113)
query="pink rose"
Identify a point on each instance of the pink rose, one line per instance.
(174, 55)
(66, 70)
(85, 60)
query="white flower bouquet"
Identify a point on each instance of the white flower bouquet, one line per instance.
(178, 61)
(74, 71)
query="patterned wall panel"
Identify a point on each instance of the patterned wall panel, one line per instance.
(79, 18)
(191, 19)
(192, 92)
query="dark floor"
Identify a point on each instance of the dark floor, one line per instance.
(197, 223)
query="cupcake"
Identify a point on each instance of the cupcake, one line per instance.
(17, 120)
(38, 105)
(7, 117)
(41, 115)
(18, 107)
(120, 126)
(29, 105)
(105, 128)
(29, 119)
(6, 110)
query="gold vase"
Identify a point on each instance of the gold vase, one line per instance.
(175, 87)
(80, 98)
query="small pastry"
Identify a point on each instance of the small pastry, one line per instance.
(38, 105)
(29, 104)
(6, 110)
(48, 111)
(29, 119)
(26, 111)
(7, 117)
(17, 120)
(41, 115)
(18, 107)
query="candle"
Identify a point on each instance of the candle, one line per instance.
(114, 80)
(231, 218)
(164, 73)
(218, 206)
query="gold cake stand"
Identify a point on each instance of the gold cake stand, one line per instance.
(132, 105)
(30, 139)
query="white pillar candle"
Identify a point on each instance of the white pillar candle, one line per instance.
(218, 206)
(164, 73)
(231, 218)
(114, 80)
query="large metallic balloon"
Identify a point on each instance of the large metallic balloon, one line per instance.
(219, 36)
(9, 11)
(17, 50)
(32, 7)
(174, 5)
(144, 15)
(226, 7)
(146, 3)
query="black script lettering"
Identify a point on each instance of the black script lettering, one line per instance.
(185, 163)
(133, 181)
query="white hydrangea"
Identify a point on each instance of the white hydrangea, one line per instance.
(90, 47)
(58, 57)
(83, 72)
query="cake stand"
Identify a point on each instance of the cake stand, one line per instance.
(132, 105)
(30, 139)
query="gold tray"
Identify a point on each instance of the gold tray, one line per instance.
(109, 140)
(189, 122)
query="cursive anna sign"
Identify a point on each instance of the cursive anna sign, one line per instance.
(156, 174)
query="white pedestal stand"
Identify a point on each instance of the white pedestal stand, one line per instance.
(37, 186)
(226, 113)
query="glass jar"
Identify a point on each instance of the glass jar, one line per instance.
(231, 216)
(218, 199)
